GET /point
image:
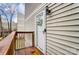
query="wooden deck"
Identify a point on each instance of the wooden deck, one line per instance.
(29, 51)
(8, 46)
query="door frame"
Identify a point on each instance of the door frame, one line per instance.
(44, 17)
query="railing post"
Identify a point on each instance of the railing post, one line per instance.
(12, 47)
(33, 43)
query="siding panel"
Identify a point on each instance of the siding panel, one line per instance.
(63, 29)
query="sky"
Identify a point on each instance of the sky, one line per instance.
(20, 7)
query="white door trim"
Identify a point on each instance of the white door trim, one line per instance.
(44, 17)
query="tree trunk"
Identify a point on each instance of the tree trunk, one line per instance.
(11, 22)
(1, 31)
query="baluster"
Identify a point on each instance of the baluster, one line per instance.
(19, 42)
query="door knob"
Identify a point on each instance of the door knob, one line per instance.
(44, 30)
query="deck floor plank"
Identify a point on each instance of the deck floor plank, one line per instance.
(28, 51)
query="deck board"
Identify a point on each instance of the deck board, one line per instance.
(28, 51)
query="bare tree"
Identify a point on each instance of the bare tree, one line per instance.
(11, 16)
(9, 13)
(1, 28)
(12, 10)
(3, 13)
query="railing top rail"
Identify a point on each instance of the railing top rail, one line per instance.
(25, 31)
(5, 43)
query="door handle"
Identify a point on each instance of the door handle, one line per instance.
(44, 30)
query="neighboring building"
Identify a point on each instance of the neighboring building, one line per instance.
(14, 26)
(20, 20)
(20, 28)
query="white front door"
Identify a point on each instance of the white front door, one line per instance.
(40, 31)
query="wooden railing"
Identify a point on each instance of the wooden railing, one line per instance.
(24, 39)
(8, 44)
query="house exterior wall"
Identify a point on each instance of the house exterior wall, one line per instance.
(62, 28)
(30, 21)
(30, 7)
(30, 24)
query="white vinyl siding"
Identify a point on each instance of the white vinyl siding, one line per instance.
(63, 29)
